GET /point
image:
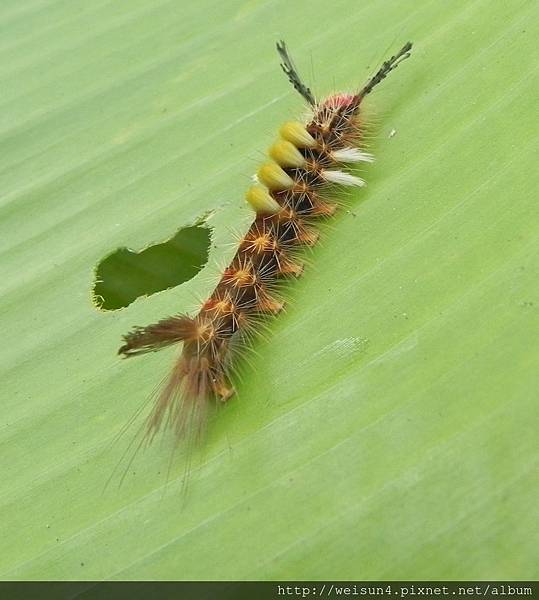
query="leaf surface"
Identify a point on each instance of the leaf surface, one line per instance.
(384, 430)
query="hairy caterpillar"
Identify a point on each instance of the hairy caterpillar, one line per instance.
(294, 192)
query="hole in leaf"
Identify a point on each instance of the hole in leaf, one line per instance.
(125, 275)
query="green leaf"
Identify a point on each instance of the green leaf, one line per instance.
(385, 428)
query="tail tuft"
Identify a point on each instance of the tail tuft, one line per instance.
(185, 399)
(159, 335)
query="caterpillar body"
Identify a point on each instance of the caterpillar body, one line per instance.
(294, 192)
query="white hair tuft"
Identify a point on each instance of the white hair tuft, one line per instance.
(342, 178)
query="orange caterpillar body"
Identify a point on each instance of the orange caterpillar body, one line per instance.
(291, 197)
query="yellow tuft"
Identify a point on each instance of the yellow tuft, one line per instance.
(295, 132)
(260, 200)
(274, 178)
(286, 154)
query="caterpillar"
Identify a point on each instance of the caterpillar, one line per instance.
(294, 192)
